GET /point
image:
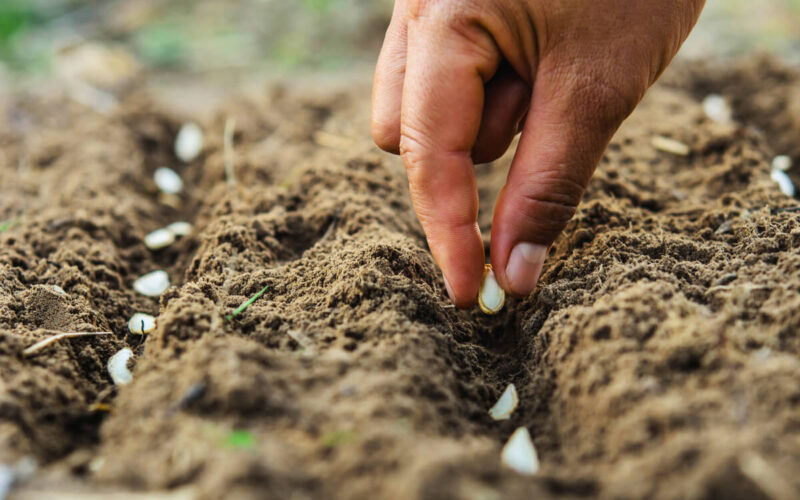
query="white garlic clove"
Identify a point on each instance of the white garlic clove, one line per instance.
(168, 180)
(158, 239)
(189, 142)
(782, 162)
(784, 182)
(506, 405)
(671, 146)
(490, 297)
(716, 108)
(152, 284)
(519, 453)
(180, 228)
(141, 324)
(118, 367)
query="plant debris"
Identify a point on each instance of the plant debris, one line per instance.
(55, 338)
(244, 306)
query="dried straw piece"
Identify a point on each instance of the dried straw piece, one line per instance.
(55, 338)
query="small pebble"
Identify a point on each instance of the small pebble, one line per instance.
(189, 142)
(59, 290)
(180, 229)
(158, 239)
(782, 162)
(671, 146)
(118, 367)
(152, 284)
(716, 108)
(506, 405)
(168, 181)
(141, 324)
(784, 182)
(519, 453)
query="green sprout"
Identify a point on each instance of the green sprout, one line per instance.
(8, 224)
(333, 439)
(241, 439)
(244, 306)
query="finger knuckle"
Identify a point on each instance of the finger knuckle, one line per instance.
(549, 204)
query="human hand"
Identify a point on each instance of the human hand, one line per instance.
(457, 79)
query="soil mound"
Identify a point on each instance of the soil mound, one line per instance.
(658, 357)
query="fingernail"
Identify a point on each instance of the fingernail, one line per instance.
(449, 290)
(524, 267)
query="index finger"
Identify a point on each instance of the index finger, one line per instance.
(441, 113)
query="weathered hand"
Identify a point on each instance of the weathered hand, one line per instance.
(457, 79)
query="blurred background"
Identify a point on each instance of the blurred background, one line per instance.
(104, 41)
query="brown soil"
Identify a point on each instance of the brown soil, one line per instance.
(659, 356)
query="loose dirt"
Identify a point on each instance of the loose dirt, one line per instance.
(658, 357)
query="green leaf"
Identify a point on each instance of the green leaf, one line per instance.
(244, 306)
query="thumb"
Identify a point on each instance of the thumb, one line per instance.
(570, 122)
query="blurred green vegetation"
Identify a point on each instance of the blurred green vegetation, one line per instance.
(248, 35)
(196, 35)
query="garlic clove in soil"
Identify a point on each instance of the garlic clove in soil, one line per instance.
(158, 239)
(490, 296)
(519, 453)
(782, 162)
(141, 324)
(180, 228)
(671, 146)
(168, 180)
(152, 284)
(118, 367)
(506, 405)
(784, 182)
(189, 142)
(716, 108)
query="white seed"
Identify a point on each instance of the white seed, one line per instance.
(519, 453)
(189, 142)
(784, 182)
(59, 290)
(782, 162)
(506, 405)
(168, 181)
(141, 324)
(490, 297)
(716, 108)
(118, 367)
(671, 146)
(179, 229)
(158, 239)
(152, 284)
